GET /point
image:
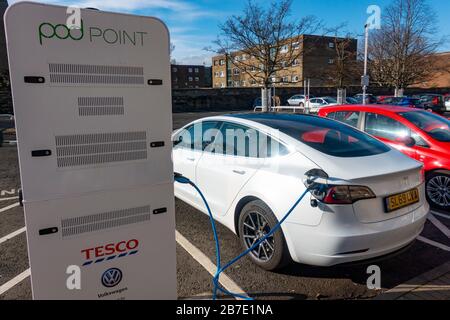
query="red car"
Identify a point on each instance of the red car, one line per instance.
(420, 134)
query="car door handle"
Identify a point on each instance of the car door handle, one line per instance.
(191, 159)
(241, 172)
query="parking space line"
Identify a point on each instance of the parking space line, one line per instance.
(434, 243)
(441, 215)
(206, 263)
(9, 207)
(14, 281)
(11, 198)
(12, 235)
(439, 225)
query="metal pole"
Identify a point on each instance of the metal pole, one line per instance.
(366, 51)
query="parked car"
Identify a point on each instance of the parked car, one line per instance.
(433, 102)
(447, 103)
(370, 99)
(404, 102)
(422, 135)
(315, 104)
(364, 210)
(298, 100)
(380, 99)
(257, 102)
(350, 100)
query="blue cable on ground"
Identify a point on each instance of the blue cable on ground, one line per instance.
(183, 180)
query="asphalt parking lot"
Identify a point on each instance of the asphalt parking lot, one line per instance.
(196, 247)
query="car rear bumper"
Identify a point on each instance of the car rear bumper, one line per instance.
(328, 244)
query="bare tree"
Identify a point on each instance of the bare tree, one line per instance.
(399, 53)
(262, 36)
(345, 69)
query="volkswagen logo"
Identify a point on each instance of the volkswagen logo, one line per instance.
(111, 277)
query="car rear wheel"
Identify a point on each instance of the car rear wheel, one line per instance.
(255, 221)
(438, 190)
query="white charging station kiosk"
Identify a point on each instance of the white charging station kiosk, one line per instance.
(94, 120)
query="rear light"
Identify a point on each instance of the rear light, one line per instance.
(344, 194)
(422, 175)
(435, 101)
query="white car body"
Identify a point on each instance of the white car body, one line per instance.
(314, 104)
(297, 100)
(447, 103)
(325, 235)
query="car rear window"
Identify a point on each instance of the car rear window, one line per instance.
(327, 136)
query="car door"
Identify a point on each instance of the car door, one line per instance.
(314, 105)
(187, 151)
(390, 131)
(227, 166)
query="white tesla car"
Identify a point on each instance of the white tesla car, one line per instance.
(250, 168)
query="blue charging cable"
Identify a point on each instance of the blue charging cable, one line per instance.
(183, 180)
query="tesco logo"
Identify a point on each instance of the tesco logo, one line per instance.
(110, 251)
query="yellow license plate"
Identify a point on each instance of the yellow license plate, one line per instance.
(402, 200)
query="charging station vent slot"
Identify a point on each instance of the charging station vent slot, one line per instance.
(100, 106)
(61, 73)
(105, 220)
(100, 148)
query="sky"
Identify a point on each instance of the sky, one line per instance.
(194, 24)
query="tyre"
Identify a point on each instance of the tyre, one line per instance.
(438, 190)
(255, 221)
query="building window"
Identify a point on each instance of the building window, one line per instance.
(216, 74)
(222, 74)
(222, 85)
(253, 82)
(296, 45)
(330, 61)
(284, 48)
(196, 70)
(296, 62)
(190, 70)
(244, 83)
(216, 62)
(244, 57)
(295, 78)
(190, 79)
(236, 83)
(174, 69)
(283, 64)
(331, 44)
(222, 62)
(197, 79)
(274, 80)
(285, 79)
(236, 71)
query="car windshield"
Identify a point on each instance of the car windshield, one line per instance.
(436, 126)
(327, 136)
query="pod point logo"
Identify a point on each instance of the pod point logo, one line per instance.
(47, 30)
(111, 277)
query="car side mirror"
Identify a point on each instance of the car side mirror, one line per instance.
(408, 141)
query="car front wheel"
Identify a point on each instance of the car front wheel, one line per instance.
(255, 221)
(438, 191)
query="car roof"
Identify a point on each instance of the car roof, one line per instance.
(374, 107)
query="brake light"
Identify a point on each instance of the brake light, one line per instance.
(422, 175)
(345, 194)
(435, 101)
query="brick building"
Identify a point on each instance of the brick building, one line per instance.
(190, 76)
(317, 59)
(440, 78)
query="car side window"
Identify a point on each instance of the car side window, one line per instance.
(197, 136)
(348, 117)
(385, 127)
(242, 141)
